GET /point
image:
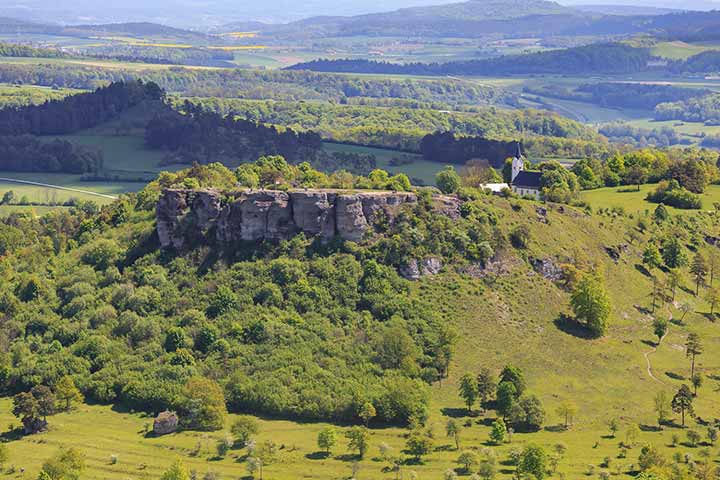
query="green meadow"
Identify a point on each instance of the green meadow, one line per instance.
(633, 201)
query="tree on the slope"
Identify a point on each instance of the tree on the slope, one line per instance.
(327, 437)
(367, 412)
(591, 304)
(453, 429)
(34, 407)
(682, 402)
(673, 253)
(67, 393)
(358, 440)
(698, 268)
(515, 376)
(177, 471)
(498, 432)
(662, 407)
(418, 445)
(693, 348)
(697, 381)
(660, 327)
(713, 298)
(533, 461)
(567, 410)
(486, 385)
(67, 464)
(243, 429)
(448, 180)
(469, 390)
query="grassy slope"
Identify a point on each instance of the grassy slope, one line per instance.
(508, 320)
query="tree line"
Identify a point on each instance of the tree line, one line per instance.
(196, 135)
(255, 84)
(77, 112)
(607, 58)
(26, 153)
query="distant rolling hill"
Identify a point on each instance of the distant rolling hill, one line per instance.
(129, 29)
(508, 19)
(473, 18)
(627, 10)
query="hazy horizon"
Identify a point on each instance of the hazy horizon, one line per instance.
(192, 13)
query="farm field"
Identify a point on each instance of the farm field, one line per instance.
(100, 192)
(581, 111)
(122, 153)
(110, 64)
(679, 50)
(633, 201)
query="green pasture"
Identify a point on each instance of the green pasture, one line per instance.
(633, 201)
(419, 168)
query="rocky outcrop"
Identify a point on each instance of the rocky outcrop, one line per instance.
(165, 423)
(256, 215)
(547, 268)
(416, 269)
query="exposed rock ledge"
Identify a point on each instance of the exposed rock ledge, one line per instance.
(255, 215)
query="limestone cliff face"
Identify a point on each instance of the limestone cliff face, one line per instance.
(253, 215)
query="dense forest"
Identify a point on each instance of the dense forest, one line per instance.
(609, 58)
(403, 128)
(77, 112)
(19, 50)
(200, 136)
(621, 132)
(697, 109)
(279, 326)
(256, 84)
(26, 153)
(163, 55)
(446, 147)
(623, 95)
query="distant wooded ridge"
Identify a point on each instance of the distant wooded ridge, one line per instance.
(597, 59)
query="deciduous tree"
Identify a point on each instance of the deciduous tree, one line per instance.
(469, 391)
(453, 429)
(327, 438)
(591, 304)
(67, 393)
(358, 440)
(567, 410)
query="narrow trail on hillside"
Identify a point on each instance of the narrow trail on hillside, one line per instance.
(654, 349)
(57, 187)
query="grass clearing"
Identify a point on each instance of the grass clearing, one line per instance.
(419, 168)
(679, 50)
(633, 201)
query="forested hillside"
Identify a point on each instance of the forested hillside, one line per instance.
(255, 84)
(403, 128)
(611, 58)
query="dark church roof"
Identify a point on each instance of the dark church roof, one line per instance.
(527, 179)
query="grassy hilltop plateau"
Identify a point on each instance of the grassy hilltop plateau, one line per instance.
(303, 250)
